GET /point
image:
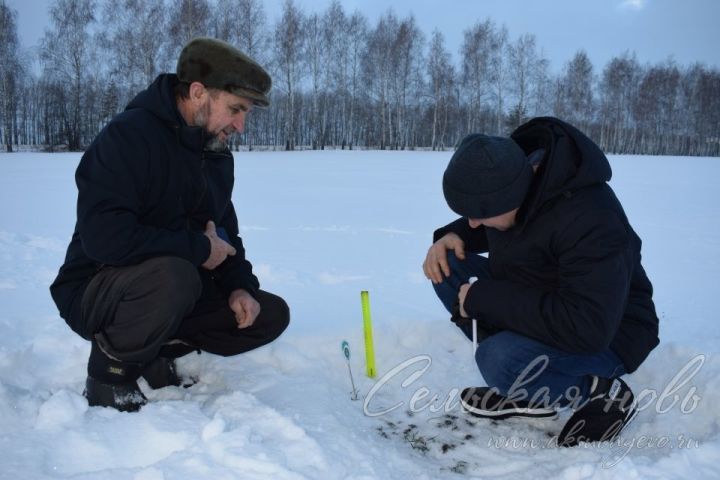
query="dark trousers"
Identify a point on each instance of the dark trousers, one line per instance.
(142, 309)
(504, 356)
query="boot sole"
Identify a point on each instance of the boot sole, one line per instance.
(504, 413)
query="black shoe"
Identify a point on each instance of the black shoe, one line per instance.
(112, 383)
(485, 402)
(125, 397)
(162, 372)
(610, 408)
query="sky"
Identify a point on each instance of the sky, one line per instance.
(655, 29)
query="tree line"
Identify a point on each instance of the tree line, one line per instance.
(341, 82)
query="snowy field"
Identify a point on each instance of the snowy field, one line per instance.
(319, 228)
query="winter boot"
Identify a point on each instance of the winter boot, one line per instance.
(112, 383)
(610, 407)
(486, 402)
(162, 371)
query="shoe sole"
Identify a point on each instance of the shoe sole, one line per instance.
(103, 395)
(507, 412)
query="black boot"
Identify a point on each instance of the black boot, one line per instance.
(162, 371)
(112, 383)
(611, 406)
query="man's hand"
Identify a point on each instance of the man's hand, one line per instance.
(436, 263)
(219, 248)
(246, 308)
(461, 298)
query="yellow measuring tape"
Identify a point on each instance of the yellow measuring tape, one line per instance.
(367, 327)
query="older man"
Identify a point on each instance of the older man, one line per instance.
(155, 268)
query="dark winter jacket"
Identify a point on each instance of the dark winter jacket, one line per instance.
(569, 273)
(147, 188)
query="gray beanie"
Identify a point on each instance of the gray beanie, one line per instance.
(486, 177)
(217, 64)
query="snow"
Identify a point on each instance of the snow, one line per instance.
(319, 228)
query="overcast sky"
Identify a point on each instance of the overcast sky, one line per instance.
(686, 30)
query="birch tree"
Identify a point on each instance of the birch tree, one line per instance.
(475, 65)
(523, 63)
(618, 91)
(10, 75)
(186, 19)
(574, 93)
(441, 76)
(288, 48)
(132, 43)
(66, 53)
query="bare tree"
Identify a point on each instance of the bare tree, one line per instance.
(288, 47)
(66, 53)
(406, 81)
(377, 73)
(499, 72)
(475, 61)
(655, 106)
(441, 74)
(334, 81)
(707, 101)
(10, 75)
(242, 23)
(357, 29)
(618, 90)
(392, 74)
(316, 58)
(541, 102)
(132, 43)
(187, 19)
(524, 63)
(574, 94)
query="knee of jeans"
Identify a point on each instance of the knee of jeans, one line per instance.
(453, 261)
(494, 359)
(444, 286)
(446, 290)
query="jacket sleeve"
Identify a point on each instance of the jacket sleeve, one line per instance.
(475, 238)
(236, 271)
(111, 179)
(583, 312)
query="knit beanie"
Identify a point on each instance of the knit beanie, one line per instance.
(487, 176)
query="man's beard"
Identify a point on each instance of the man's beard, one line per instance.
(213, 142)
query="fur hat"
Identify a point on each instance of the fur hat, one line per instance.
(217, 64)
(487, 176)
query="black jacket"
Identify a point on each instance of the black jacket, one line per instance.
(569, 273)
(147, 188)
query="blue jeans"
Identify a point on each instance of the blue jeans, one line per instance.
(518, 365)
